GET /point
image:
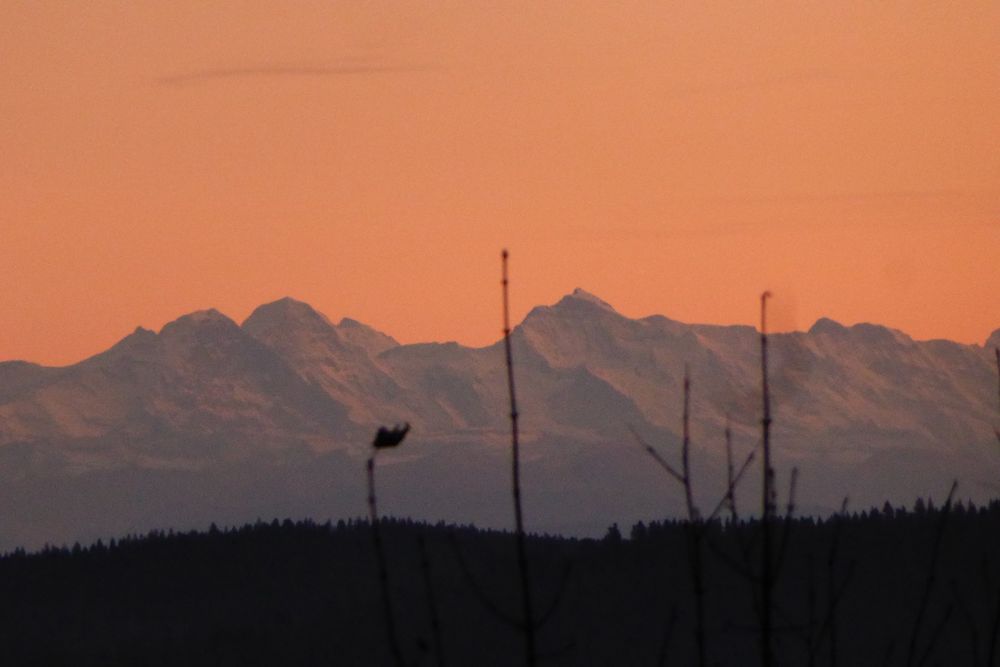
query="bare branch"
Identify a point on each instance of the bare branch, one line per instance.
(557, 597)
(996, 429)
(967, 617)
(686, 447)
(432, 610)
(656, 456)
(787, 528)
(929, 582)
(733, 484)
(767, 496)
(383, 570)
(519, 537)
(473, 585)
(730, 477)
(936, 634)
(742, 569)
(668, 634)
(994, 633)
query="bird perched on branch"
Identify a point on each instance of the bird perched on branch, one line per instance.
(390, 437)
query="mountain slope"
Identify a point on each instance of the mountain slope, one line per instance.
(339, 359)
(210, 420)
(200, 389)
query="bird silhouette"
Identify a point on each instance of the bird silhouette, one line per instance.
(390, 437)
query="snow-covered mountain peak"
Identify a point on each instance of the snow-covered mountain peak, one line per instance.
(286, 313)
(210, 319)
(139, 338)
(579, 304)
(825, 325)
(583, 296)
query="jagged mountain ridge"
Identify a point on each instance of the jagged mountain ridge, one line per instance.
(201, 380)
(583, 370)
(288, 384)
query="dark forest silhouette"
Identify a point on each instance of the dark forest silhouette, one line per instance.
(305, 593)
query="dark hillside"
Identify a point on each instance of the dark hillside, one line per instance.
(303, 594)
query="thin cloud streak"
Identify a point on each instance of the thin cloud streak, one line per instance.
(286, 71)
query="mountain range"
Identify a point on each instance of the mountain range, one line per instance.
(210, 420)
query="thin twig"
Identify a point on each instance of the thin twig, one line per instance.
(811, 610)
(473, 585)
(889, 650)
(558, 652)
(693, 528)
(936, 634)
(432, 611)
(831, 567)
(991, 651)
(767, 498)
(557, 597)
(670, 470)
(994, 632)
(996, 429)
(686, 447)
(732, 487)
(522, 557)
(383, 570)
(830, 623)
(697, 564)
(931, 577)
(656, 455)
(788, 523)
(970, 621)
(730, 477)
(668, 634)
(834, 595)
(742, 569)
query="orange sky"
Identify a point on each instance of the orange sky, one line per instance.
(373, 158)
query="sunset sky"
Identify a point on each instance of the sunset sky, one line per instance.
(373, 158)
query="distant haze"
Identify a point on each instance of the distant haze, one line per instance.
(372, 159)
